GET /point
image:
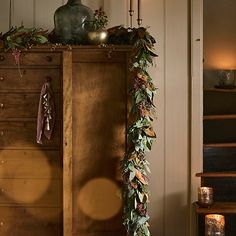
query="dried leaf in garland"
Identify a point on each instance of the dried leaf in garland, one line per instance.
(140, 135)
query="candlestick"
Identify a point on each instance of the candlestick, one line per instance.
(131, 6)
(214, 225)
(131, 12)
(205, 196)
(139, 13)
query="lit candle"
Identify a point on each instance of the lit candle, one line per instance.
(214, 225)
(205, 196)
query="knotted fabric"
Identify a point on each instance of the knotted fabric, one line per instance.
(46, 113)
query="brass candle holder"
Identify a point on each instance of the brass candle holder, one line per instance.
(214, 225)
(205, 196)
(131, 13)
(139, 20)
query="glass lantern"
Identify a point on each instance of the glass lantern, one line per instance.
(214, 225)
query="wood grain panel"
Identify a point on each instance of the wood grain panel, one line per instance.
(33, 164)
(217, 208)
(109, 55)
(44, 59)
(67, 144)
(21, 135)
(22, 221)
(23, 105)
(24, 192)
(99, 122)
(32, 79)
(103, 233)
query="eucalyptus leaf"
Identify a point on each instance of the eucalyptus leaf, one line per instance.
(41, 39)
(131, 175)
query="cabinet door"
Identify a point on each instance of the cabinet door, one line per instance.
(99, 125)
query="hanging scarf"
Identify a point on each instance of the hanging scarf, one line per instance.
(46, 113)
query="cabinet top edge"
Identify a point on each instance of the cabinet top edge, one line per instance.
(61, 48)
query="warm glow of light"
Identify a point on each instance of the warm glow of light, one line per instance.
(26, 177)
(99, 199)
(24, 164)
(214, 223)
(217, 60)
(23, 190)
(219, 36)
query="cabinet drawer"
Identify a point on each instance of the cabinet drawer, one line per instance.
(21, 135)
(32, 79)
(31, 58)
(21, 221)
(36, 192)
(23, 105)
(33, 164)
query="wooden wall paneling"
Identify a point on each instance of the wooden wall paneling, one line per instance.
(93, 4)
(5, 16)
(45, 18)
(176, 119)
(67, 143)
(23, 13)
(196, 104)
(117, 13)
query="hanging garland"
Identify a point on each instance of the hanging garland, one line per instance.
(140, 134)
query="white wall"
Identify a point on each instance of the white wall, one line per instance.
(169, 181)
(168, 21)
(170, 161)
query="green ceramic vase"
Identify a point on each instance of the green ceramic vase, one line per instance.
(71, 22)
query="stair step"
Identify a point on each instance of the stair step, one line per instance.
(217, 174)
(217, 208)
(219, 159)
(223, 184)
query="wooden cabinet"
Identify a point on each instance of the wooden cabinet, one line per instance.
(69, 185)
(219, 164)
